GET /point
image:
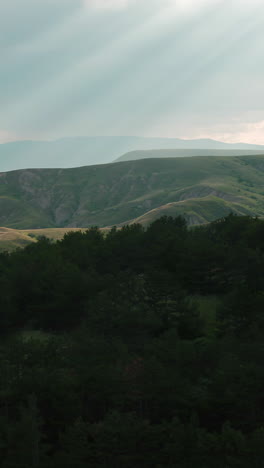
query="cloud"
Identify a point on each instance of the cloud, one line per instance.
(183, 6)
(234, 132)
(6, 136)
(247, 133)
(190, 6)
(107, 4)
(185, 68)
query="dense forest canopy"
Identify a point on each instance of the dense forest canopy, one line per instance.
(140, 347)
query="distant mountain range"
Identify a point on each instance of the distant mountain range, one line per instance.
(200, 188)
(84, 151)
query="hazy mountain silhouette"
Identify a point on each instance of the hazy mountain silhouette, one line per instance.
(83, 151)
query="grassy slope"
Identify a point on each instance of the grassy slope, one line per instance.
(11, 239)
(196, 211)
(204, 188)
(51, 233)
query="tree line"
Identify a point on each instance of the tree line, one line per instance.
(142, 347)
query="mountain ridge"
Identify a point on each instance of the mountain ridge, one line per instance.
(82, 151)
(183, 153)
(113, 194)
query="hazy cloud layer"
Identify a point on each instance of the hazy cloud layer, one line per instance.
(107, 4)
(183, 68)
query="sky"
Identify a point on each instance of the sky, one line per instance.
(166, 68)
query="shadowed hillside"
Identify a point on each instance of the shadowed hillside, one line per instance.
(200, 188)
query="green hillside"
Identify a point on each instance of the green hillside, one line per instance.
(201, 188)
(195, 211)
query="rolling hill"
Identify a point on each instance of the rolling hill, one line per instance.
(10, 239)
(200, 188)
(84, 151)
(182, 153)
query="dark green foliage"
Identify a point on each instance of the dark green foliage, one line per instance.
(113, 355)
(22, 440)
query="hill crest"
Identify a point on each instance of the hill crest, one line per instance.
(113, 194)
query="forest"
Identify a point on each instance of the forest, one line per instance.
(142, 347)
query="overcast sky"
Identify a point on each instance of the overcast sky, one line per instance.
(175, 68)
